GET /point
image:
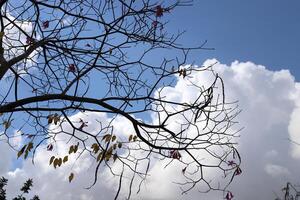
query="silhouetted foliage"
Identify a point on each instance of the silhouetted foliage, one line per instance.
(25, 190)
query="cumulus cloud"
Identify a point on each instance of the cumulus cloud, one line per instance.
(270, 114)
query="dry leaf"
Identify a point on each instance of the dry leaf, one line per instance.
(71, 177)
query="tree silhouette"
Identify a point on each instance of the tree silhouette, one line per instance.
(25, 189)
(60, 58)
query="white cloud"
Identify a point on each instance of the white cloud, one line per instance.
(276, 170)
(271, 115)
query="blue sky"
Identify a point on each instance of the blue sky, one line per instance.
(264, 32)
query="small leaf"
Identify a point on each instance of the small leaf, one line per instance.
(183, 170)
(50, 119)
(99, 157)
(51, 160)
(107, 157)
(21, 151)
(29, 146)
(71, 149)
(115, 157)
(106, 138)
(95, 148)
(56, 120)
(134, 138)
(75, 148)
(120, 145)
(113, 138)
(95, 145)
(114, 146)
(65, 159)
(6, 124)
(55, 163)
(26, 154)
(130, 138)
(59, 162)
(71, 177)
(108, 153)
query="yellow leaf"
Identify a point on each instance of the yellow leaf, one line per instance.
(65, 159)
(51, 160)
(71, 177)
(1, 34)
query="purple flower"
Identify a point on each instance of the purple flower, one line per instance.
(45, 24)
(229, 196)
